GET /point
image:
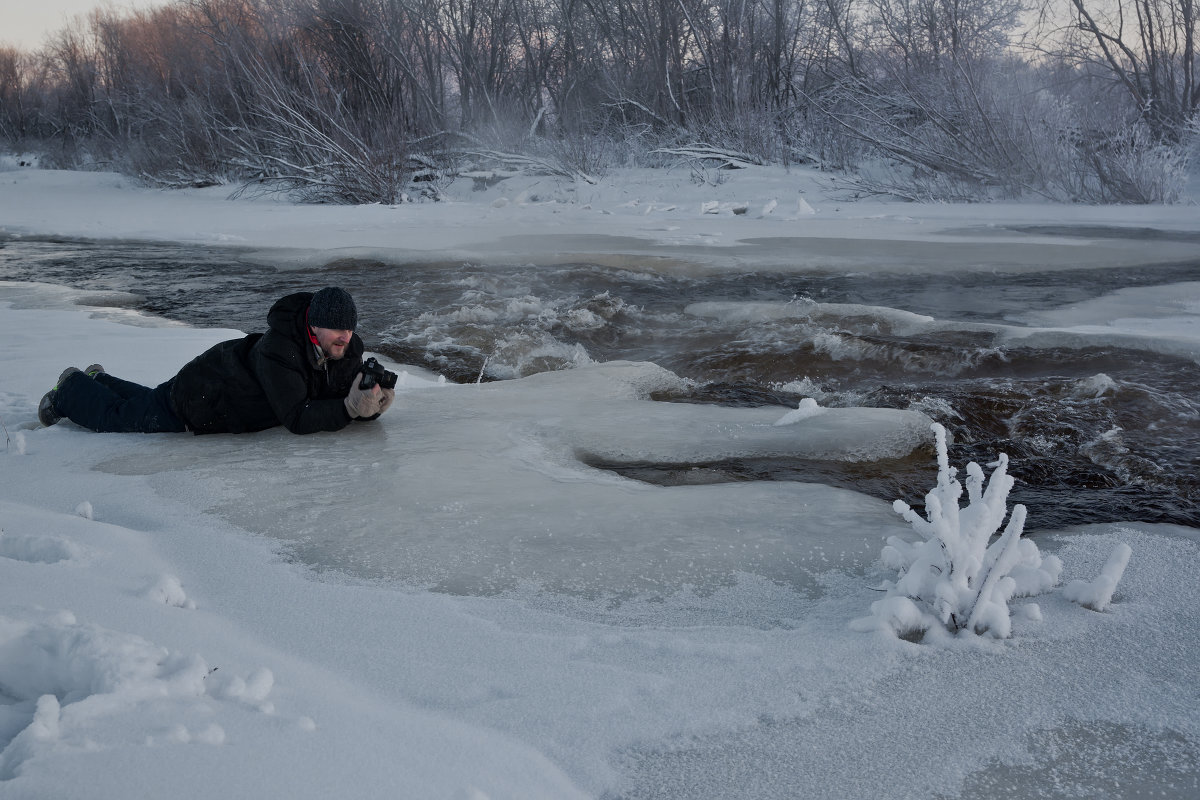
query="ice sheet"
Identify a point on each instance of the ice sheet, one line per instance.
(479, 488)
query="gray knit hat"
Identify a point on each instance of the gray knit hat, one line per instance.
(332, 308)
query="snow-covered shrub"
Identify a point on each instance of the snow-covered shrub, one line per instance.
(957, 577)
(1130, 167)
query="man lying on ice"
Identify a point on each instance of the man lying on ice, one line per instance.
(304, 373)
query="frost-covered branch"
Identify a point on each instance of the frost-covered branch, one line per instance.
(960, 576)
(726, 159)
(519, 163)
(1097, 594)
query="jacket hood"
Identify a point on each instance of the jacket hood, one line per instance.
(287, 315)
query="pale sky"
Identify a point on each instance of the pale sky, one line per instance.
(27, 23)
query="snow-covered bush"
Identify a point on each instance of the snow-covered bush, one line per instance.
(957, 578)
(1130, 167)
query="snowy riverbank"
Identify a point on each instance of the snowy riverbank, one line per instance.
(759, 216)
(162, 636)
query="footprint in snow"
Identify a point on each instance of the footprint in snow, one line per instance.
(36, 549)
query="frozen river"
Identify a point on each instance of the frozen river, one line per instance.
(1097, 431)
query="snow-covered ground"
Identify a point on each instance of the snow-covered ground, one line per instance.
(657, 216)
(162, 635)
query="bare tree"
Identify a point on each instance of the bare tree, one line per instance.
(410, 39)
(924, 33)
(16, 121)
(72, 68)
(1147, 47)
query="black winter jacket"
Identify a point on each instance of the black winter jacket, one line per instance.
(264, 380)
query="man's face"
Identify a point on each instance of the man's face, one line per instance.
(333, 342)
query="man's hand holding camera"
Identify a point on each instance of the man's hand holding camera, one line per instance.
(373, 391)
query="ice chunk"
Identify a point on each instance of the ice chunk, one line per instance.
(1161, 319)
(808, 408)
(1096, 386)
(836, 315)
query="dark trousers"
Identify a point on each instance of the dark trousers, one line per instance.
(111, 405)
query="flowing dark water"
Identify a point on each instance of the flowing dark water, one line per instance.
(1098, 434)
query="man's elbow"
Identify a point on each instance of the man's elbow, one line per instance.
(304, 423)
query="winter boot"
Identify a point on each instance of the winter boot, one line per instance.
(47, 414)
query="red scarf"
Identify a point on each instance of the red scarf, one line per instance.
(312, 337)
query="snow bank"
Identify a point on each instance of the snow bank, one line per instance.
(643, 219)
(131, 696)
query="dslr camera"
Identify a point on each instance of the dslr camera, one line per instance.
(374, 373)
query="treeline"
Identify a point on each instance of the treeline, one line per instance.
(373, 100)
